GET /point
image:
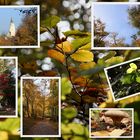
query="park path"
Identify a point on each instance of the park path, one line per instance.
(43, 128)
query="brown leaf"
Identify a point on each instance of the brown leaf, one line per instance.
(47, 73)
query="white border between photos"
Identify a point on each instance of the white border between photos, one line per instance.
(113, 66)
(132, 109)
(92, 26)
(16, 87)
(38, 25)
(21, 107)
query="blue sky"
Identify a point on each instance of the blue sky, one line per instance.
(5, 17)
(116, 19)
(42, 86)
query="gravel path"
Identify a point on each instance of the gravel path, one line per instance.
(43, 128)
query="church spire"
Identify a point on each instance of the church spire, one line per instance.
(11, 20)
(12, 30)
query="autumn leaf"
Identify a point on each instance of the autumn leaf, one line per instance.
(56, 55)
(47, 73)
(83, 56)
(29, 65)
(4, 135)
(86, 66)
(64, 46)
(86, 47)
(82, 81)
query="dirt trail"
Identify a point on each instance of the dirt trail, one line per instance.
(43, 128)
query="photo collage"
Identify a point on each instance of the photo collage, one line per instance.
(69, 69)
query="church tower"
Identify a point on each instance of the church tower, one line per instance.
(12, 29)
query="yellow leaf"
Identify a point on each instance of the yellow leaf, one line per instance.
(86, 66)
(4, 135)
(83, 56)
(64, 46)
(56, 55)
(130, 70)
(117, 132)
(100, 133)
(86, 47)
(133, 66)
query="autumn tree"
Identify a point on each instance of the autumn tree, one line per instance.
(40, 100)
(134, 18)
(54, 99)
(29, 97)
(7, 83)
(4, 41)
(27, 32)
(99, 33)
(115, 41)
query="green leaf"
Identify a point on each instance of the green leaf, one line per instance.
(46, 43)
(11, 125)
(42, 30)
(75, 33)
(79, 131)
(114, 60)
(69, 112)
(77, 43)
(83, 56)
(94, 70)
(66, 87)
(50, 22)
(136, 118)
(109, 55)
(126, 79)
(138, 79)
